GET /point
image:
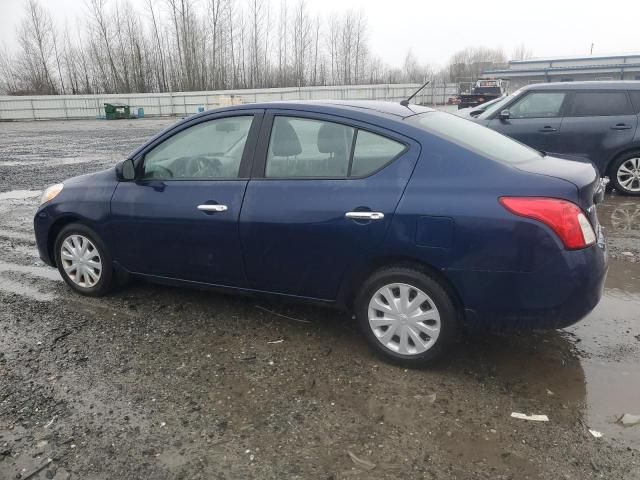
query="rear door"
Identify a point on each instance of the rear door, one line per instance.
(535, 119)
(598, 125)
(322, 196)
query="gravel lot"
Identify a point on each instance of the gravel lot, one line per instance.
(162, 383)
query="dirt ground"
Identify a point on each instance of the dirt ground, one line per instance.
(158, 383)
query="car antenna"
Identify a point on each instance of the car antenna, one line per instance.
(405, 103)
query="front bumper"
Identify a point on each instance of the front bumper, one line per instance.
(42, 223)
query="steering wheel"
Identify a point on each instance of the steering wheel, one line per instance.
(198, 167)
(160, 172)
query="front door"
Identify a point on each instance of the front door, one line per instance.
(179, 219)
(326, 196)
(534, 119)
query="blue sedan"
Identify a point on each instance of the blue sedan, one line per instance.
(418, 221)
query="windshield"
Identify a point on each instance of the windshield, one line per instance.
(500, 104)
(474, 137)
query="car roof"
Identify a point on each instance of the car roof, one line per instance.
(371, 107)
(600, 85)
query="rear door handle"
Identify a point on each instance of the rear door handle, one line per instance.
(548, 129)
(212, 207)
(364, 215)
(621, 126)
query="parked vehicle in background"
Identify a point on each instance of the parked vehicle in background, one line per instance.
(478, 110)
(596, 121)
(483, 91)
(416, 220)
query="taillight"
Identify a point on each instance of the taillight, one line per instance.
(566, 219)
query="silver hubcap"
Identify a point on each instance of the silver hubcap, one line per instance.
(629, 175)
(81, 261)
(404, 319)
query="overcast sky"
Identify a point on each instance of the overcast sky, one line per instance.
(433, 30)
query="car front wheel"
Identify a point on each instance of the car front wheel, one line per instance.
(406, 315)
(626, 174)
(83, 261)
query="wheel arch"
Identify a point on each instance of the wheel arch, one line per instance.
(349, 288)
(614, 158)
(55, 230)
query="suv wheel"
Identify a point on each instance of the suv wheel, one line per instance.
(83, 261)
(406, 315)
(625, 174)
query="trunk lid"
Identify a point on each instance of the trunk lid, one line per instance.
(582, 174)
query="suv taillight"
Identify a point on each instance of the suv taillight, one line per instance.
(566, 219)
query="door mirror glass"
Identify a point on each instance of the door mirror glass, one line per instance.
(128, 170)
(505, 114)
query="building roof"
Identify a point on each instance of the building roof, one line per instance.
(558, 65)
(573, 58)
(587, 85)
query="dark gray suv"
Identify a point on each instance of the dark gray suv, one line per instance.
(594, 120)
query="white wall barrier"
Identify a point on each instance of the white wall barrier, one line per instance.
(51, 107)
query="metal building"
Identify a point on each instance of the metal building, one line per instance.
(568, 69)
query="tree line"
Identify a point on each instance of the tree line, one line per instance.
(191, 45)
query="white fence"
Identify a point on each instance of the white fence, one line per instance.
(47, 107)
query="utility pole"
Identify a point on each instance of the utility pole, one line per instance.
(591, 52)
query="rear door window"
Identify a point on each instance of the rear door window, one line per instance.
(305, 148)
(308, 148)
(538, 105)
(596, 104)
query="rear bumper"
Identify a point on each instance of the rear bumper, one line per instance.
(555, 298)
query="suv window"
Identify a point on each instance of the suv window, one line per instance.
(306, 148)
(474, 137)
(538, 105)
(594, 104)
(373, 152)
(208, 150)
(635, 100)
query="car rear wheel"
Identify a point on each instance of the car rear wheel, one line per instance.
(83, 261)
(406, 315)
(626, 174)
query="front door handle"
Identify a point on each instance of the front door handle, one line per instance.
(364, 215)
(212, 207)
(548, 129)
(621, 126)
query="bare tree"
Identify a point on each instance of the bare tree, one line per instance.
(521, 52)
(204, 44)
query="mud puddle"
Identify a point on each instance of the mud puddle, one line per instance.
(609, 342)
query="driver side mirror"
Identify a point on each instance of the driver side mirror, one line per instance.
(126, 171)
(505, 114)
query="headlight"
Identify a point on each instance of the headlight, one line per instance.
(51, 193)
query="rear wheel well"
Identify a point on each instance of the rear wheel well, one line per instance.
(54, 231)
(612, 162)
(351, 290)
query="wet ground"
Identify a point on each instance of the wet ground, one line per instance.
(158, 382)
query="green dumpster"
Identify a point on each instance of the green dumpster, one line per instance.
(114, 111)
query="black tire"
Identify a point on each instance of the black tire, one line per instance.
(106, 279)
(449, 325)
(613, 174)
